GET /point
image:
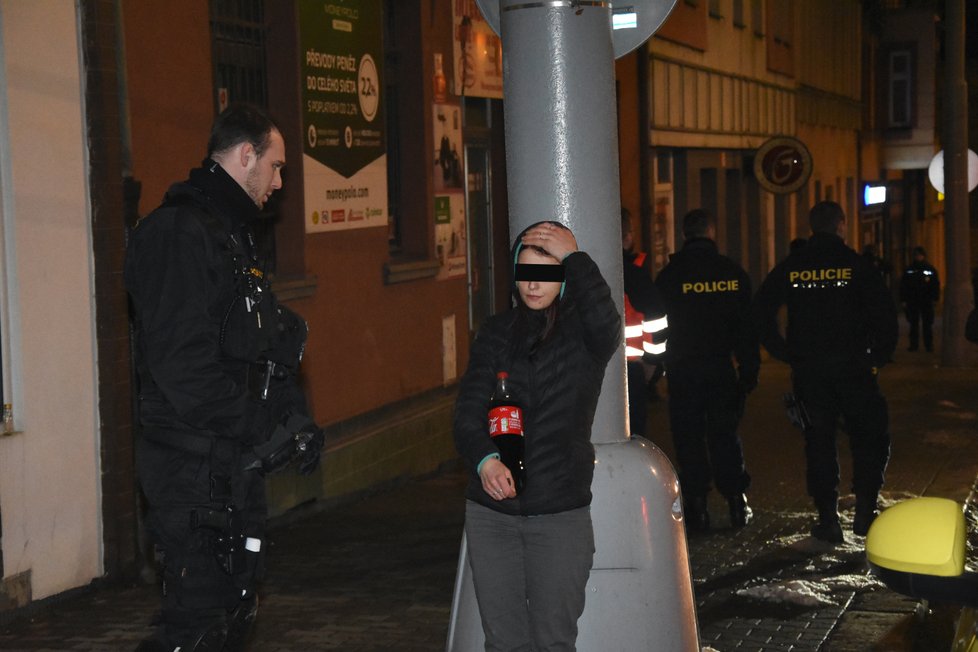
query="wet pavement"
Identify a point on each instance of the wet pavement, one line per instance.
(377, 575)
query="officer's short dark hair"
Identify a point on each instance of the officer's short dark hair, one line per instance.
(825, 217)
(240, 123)
(697, 223)
(920, 250)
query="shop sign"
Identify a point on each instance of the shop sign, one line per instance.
(782, 165)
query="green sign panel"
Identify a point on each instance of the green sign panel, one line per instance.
(342, 108)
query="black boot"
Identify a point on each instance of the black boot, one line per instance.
(740, 511)
(866, 513)
(696, 515)
(828, 528)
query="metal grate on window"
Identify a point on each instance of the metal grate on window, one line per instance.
(238, 48)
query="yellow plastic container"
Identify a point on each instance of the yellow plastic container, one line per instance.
(922, 535)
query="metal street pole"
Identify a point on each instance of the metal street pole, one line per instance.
(955, 351)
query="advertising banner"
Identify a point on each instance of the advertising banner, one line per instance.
(344, 153)
(450, 240)
(478, 53)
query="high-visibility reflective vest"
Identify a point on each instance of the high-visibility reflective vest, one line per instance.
(640, 333)
(634, 335)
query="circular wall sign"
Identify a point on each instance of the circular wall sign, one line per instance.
(782, 165)
(935, 171)
(368, 88)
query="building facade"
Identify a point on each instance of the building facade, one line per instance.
(853, 82)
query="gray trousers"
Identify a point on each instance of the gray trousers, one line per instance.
(529, 574)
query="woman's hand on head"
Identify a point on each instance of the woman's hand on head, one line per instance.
(555, 240)
(497, 481)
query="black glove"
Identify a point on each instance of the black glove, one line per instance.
(310, 446)
(293, 437)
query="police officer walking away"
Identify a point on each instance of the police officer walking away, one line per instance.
(842, 327)
(219, 405)
(920, 288)
(707, 298)
(646, 327)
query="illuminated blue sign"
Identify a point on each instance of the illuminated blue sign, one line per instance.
(873, 195)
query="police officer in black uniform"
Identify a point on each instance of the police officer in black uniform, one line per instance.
(707, 298)
(841, 329)
(920, 288)
(219, 405)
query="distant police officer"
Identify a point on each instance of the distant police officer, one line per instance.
(707, 298)
(920, 288)
(645, 327)
(841, 329)
(218, 400)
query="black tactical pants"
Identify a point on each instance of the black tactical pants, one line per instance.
(921, 318)
(202, 583)
(705, 407)
(857, 399)
(638, 400)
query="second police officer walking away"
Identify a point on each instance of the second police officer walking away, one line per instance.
(707, 298)
(219, 405)
(531, 549)
(841, 329)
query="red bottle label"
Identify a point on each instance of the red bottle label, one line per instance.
(505, 420)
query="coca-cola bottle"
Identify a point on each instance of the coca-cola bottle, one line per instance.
(506, 429)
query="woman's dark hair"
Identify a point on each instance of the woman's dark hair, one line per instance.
(524, 320)
(240, 123)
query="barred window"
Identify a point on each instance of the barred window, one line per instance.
(238, 48)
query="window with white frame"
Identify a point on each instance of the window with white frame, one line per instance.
(899, 91)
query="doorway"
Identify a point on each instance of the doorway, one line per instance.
(478, 212)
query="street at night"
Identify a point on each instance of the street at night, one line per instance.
(376, 575)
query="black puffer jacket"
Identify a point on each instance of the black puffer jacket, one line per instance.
(557, 381)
